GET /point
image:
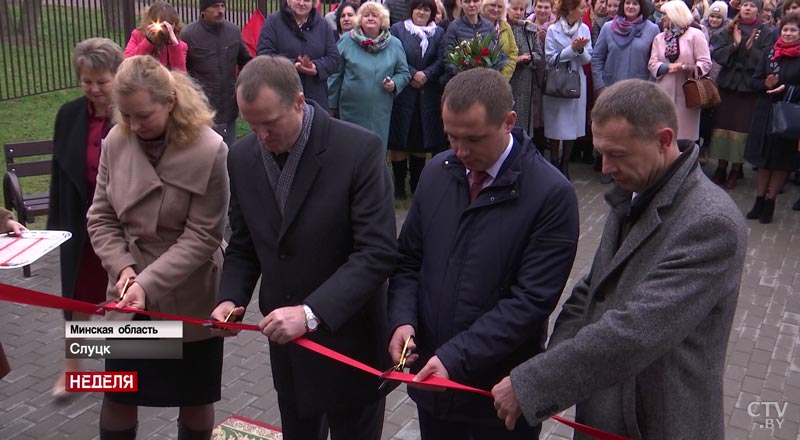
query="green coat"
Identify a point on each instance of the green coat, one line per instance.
(357, 88)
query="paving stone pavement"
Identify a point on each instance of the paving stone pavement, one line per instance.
(763, 362)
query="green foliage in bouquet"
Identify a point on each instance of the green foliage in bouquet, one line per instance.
(477, 52)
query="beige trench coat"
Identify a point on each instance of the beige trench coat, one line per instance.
(167, 222)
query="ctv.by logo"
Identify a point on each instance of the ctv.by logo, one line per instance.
(772, 412)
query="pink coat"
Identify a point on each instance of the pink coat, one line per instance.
(173, 56)
(693, 51)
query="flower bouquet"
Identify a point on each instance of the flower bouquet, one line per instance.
(480, 51)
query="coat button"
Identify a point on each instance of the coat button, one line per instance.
(513, 191)
(491, 199)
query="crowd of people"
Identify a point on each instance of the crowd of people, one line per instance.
(147, 171)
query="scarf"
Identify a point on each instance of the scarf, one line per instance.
(369, 44)
(782, 49)
(569, 30)
(623, 30)
(753, 23)
(673, 49)
(421, 32)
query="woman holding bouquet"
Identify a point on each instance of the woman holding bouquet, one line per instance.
(158, 35)
(466, 26)
(569, 42)
(372, 72)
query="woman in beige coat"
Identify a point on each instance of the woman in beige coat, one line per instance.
(681, 50)
(157, 223)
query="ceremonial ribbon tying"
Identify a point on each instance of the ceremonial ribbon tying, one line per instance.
(31, 297)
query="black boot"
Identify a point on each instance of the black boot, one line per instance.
(796, 206)
(400, 169)
(185, 433)
(125, 434)
(767, 212)
(758, 207)
(415, 166)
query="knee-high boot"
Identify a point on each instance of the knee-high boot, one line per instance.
(400, 169)
(184, 433)
(125, 434)
(415, 166)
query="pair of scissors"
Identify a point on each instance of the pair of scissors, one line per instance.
(401, 364)
(125, 287)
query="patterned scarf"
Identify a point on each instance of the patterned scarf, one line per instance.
(623, 30)
(569, 30)
(369, 44)
(782, 49)
(671, 36)
(421, 32)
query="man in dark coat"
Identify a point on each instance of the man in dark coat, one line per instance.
(486, 249)
(310, 45)
(215, 51)
(312, 215)
(640, 344)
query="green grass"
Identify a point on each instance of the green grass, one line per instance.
(31, 119)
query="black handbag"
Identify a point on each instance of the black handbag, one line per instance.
(562, 81)
(785, 118)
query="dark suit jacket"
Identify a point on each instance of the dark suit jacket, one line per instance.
(333, 250)
(68, 198)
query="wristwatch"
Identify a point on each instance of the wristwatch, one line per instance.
(311, 319)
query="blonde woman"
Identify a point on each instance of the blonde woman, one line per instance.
(678, 52)
(156, 224)
(495, 12)
(372, 73)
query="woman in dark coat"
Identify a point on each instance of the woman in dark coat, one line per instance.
(739, 49)
(416, 126)
(776, 75)
(80, 126)
(298, 33)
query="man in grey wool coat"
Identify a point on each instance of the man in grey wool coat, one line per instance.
(640, 344)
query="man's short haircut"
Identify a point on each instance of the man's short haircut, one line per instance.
(480, 86)
(277, 73)
(641, 103)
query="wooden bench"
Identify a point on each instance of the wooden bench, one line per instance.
(29, 206)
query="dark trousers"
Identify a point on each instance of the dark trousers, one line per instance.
(355, 423)
(432, 428)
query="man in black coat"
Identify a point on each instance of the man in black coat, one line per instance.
(312, 214)
(486, 250)
(215, 51)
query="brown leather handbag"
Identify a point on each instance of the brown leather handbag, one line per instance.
(701, 92)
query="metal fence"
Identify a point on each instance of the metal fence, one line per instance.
(37, 36)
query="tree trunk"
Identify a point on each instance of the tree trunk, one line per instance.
(30, 11)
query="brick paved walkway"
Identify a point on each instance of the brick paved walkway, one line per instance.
(763, 354)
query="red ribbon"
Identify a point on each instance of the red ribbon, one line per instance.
(31, 297)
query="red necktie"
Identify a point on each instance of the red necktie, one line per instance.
(477, 179)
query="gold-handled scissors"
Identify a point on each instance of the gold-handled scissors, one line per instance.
(125, 287)
(228, 317)
(401, 364)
